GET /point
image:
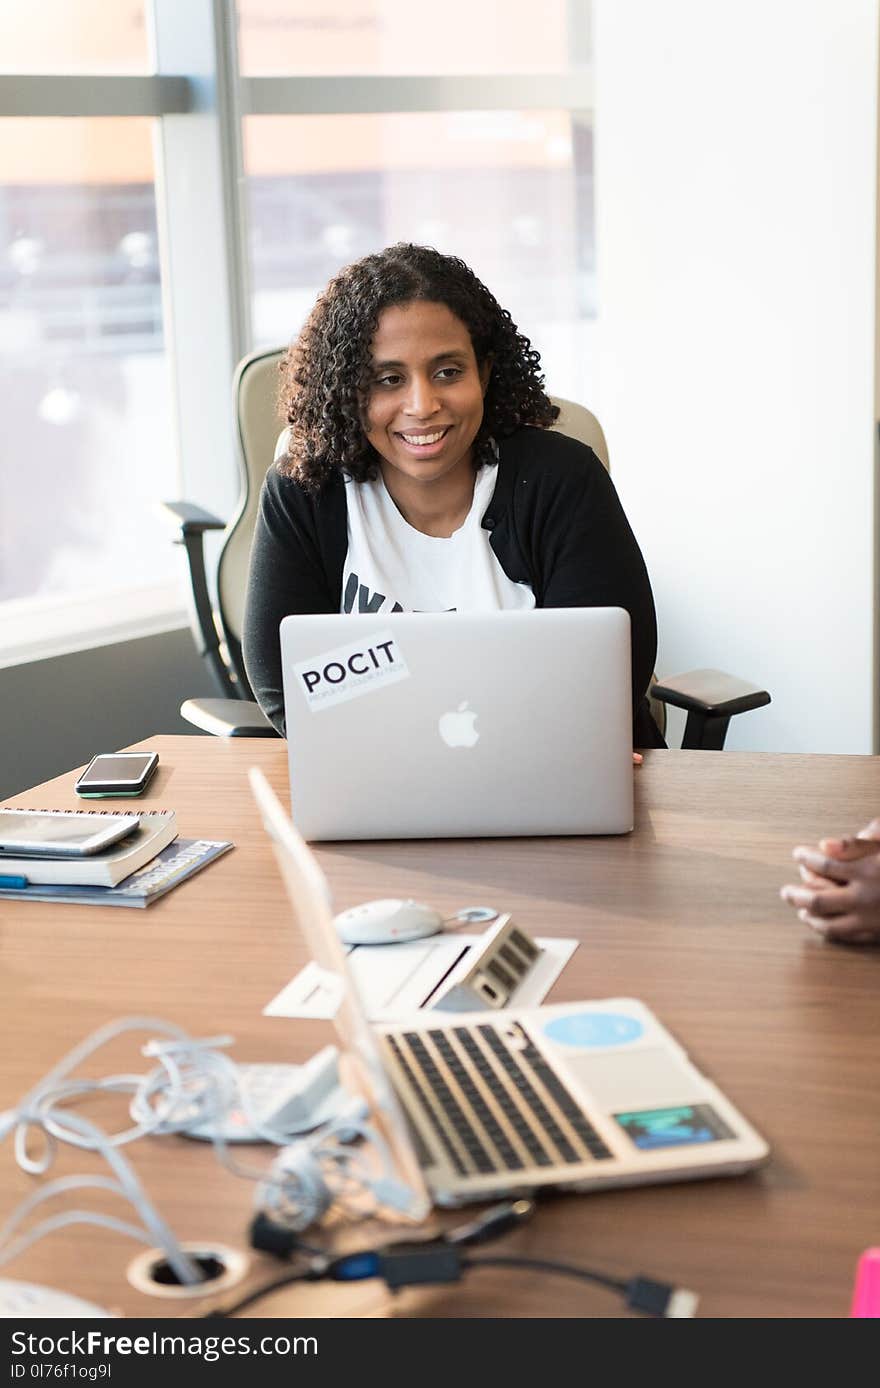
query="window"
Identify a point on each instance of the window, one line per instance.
(68, 36)
(84, 392)
(511, 192)
(385, 37)
(87, 447)
(509, 189)
(177, 184)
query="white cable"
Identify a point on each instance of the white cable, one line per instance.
(60, 1187)
(193, 1084)
(99, 1038)
(308, 1177)
(55, 1086)
(56, 1129)
(171, 1098)
(130, 1187)
(36, 1112)
(61, 1221)
(296, 1194)
(322, 1169)
(181, 1264)
(179, 1095)
(201, 1091)
(325, 1169)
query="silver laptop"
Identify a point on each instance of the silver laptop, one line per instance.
(430, 725)
(581, 1095)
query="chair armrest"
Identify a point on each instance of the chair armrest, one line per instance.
(191, 519)
(227, 717)
(711, 698)
(710, 691)
(191, 522)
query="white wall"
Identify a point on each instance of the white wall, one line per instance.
(736, 213)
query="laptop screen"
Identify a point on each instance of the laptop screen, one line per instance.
(309, 895)
(491, 710)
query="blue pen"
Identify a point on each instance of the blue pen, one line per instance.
(18, 882)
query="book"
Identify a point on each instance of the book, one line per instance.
(174, 864)
(156, 829)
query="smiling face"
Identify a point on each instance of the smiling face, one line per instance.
(425, 401)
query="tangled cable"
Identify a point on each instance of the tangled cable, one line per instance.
(326, 1169)
(192, 1084)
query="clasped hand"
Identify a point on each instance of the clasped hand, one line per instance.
(839, 892)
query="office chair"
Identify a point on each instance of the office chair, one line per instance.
(710, 697)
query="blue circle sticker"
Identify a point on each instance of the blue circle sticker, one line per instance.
(594, 1029)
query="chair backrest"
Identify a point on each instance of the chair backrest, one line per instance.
(578, 423)
(255, 391)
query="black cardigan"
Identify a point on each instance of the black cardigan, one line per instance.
(556, 523)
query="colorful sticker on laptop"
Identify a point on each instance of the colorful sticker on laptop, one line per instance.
(685, 1126)
(347, 672)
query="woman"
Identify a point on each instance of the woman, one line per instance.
(420, 477)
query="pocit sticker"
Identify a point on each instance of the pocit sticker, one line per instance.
(347, 672)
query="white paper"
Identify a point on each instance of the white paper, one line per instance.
(396, 980)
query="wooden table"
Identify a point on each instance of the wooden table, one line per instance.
(684, 913)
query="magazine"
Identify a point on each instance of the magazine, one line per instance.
(178, 861)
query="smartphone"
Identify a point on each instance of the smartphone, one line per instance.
(117, 774)
(60, 835)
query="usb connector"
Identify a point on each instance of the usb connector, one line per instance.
(659, 1299)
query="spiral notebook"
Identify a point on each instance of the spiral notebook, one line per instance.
(155, 830)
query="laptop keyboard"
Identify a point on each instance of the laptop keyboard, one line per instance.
(494, 1106)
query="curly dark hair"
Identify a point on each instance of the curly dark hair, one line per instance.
(326, 373)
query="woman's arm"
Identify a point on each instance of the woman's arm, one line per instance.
(287, 574)
(589, 557)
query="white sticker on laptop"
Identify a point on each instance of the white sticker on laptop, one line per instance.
(358, 667)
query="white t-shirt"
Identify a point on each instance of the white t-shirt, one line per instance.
(391, 567)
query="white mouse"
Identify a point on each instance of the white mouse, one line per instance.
(28, 1300)
(387, 922)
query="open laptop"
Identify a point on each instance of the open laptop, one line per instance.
(581, 1095)
(430, 725)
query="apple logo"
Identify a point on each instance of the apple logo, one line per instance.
(457, 729)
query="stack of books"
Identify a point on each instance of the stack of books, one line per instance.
(133, 872)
